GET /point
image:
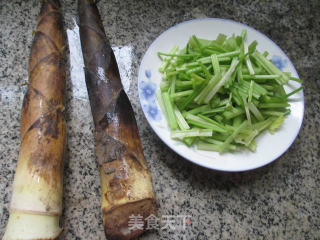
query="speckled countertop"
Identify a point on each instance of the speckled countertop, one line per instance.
(278, 201)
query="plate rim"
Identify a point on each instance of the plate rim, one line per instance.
(186, 157)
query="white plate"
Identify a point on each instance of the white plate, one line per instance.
(269, 147)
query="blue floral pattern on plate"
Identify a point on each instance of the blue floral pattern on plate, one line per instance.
(147, 92)
(279, 62)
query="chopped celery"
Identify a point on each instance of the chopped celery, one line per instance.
(169, 109)
(180, 119)
(221, 94)
(195, 132)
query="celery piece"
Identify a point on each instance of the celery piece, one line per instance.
(214, 147)
(195, 132)
(234, 112)
(202, 108)
(169, 109)
(180, 119)
(227, 142)
(247, 59)
(173, 87)
(273, 105)
(214, 111)
(295, 79)
(189, 140)
(178, 95)
(270, 68)
(212, 121)
(161, 104)
(164, 86)
(250, 91)
(215, 64)
(182, 85)
(294, 92)
(225, 78)
(275, 113)
(221, 39)
(167, 60)
(246, 108)
(237, 121)
(212, 83)
(275, 125)
(255, 111)
(199, 122)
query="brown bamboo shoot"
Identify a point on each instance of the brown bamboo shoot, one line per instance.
(36, 202)
(125, 178)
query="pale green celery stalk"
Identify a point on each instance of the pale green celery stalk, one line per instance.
(217, 142)
(275, 113)
(227, 142)
(164, 86)
(180, 119)
(202, 108)
(161, 104)
(169, 74)
(215, 64)
(239, 74)
(177, 54)
(225, 78)
(218, 118)
(237, 121)
(183, 85)
(214, 111)
(273, 105)
(212, 121)
(189, 140)
(214, 80)
(267, 87)
(214, 147)
(261, 77)
(194, 70)
(275, 125)
(255, 111)
(233, 113)
(247, 59)
(250, 91)
(195, 132)
(270, 68)
(294, 92)
(206, 71)
(173, 86)
(257, 88)
(246, 108)
(229, 103)
(295, 79)
(207, 60)
(229, 54)
(236, 96)
(199, 122)
(251, 136)
(166, 61)
(260, 126)
(197, 80)
(243, 34)
(169, 109)
(178, 95)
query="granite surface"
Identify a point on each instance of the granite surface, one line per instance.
(278, 201)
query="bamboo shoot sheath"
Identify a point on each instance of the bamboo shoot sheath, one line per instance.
(36, 202)
(125, 178)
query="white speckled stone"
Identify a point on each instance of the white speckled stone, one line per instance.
(279, 201)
